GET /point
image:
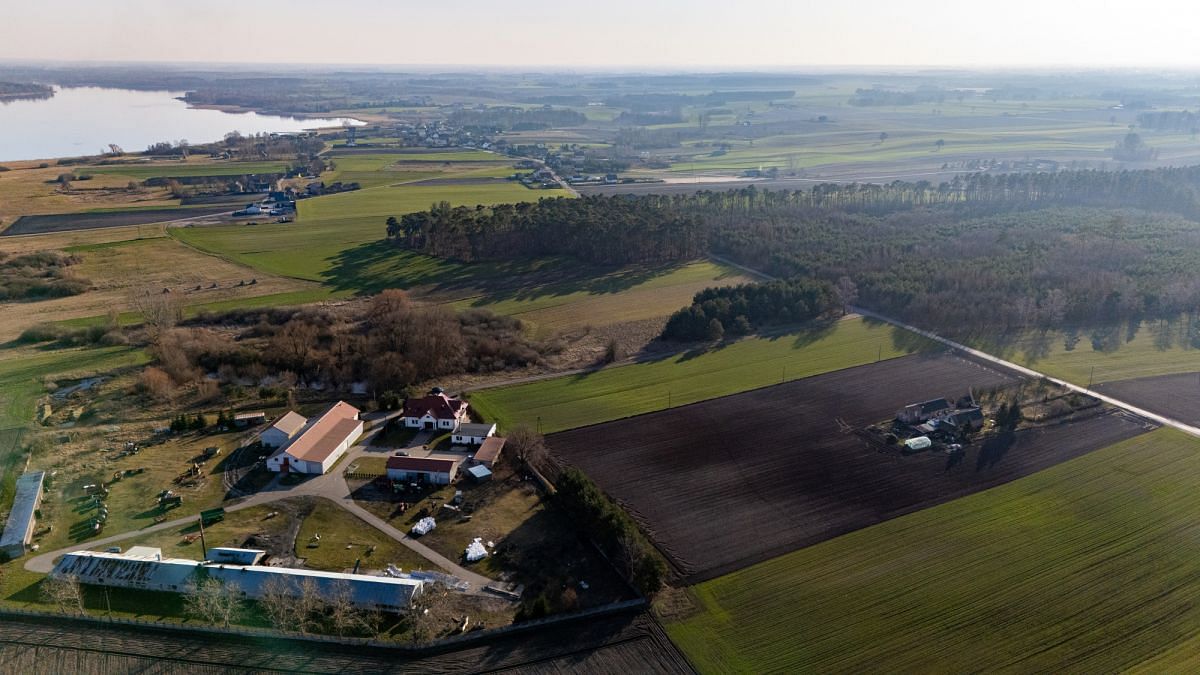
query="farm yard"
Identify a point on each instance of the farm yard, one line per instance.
(1084, 567)
(733, 481)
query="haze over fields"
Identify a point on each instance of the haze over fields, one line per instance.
(619, 33)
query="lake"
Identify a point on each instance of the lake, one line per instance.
(84, 120)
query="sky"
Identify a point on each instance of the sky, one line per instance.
(609, 34)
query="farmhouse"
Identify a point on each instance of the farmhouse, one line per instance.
(916, 413)
(489, 451)
(435, 411)
(283, 430)
(473, 434)
(436, 470)
(144, 567)
(19, 528)
(321, 442)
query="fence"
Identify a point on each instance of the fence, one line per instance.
(435, 646)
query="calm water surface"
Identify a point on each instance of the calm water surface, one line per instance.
(84, 120)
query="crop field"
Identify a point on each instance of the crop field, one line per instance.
(1084, 567)
(678, 379)
(142, 171)
(60, 222)
(1176, 396)
(732, 481)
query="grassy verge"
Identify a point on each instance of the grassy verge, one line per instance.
(612, 393)
(1084, 567)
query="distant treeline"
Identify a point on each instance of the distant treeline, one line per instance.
(1170, 120)
(738, 310)
(873, 97)
(516, 119)
(15, 90)
(607, 230)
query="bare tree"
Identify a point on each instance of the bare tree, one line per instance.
(344, 616)
(63, 592)
(213, 601)
(528, 446)
(278, 603)
(160, 310)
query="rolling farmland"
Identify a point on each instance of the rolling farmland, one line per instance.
(1087, 566)
(732, 481)
(678, 379)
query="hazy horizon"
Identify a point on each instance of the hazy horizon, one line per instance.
(673, 35)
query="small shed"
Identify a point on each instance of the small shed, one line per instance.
(479, 473)
(490, 451)
(247, 419)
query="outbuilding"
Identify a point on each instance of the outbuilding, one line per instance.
(18, 531)
(321, 443)
(473, 434)
(436, 470)
(283, 430)
(489, 453)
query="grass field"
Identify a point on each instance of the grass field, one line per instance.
(345, 539)
(607, 298)
(613, 393)
(1104, 355)
(338, 239)
(1084, 567)
(142, 171)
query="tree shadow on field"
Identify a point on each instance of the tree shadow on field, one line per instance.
(994, 449)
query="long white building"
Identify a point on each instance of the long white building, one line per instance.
(145, 568)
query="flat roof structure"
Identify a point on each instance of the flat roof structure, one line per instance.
(18, 531)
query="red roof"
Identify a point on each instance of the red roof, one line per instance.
(441, 406)
(490, 450)
(318, 440)
(426, 464)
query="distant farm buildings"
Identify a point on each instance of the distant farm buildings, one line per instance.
(145, 568)
(320, 443)
(18, 531)
(435, 411)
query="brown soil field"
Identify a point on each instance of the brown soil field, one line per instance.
(61, 222)
(726, 483)
(615, 644)
(1176, 396)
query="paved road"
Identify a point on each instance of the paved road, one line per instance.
(331, 486)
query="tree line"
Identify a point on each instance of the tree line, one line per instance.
(607, 230)
(738, 310)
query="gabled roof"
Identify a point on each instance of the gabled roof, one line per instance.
(440, 406)
(425, 464)
(291, 423)
(490, 450)
(324, 433)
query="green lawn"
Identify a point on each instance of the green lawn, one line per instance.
(22, 372)
(1085, 567)
(613, 393)
(1116, 353)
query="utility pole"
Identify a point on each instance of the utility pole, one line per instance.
(539, 424)
(668, 399)
(879, 355)
(1091, 377)
(203, 546)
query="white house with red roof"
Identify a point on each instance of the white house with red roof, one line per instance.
(322, 441)
(435, 411)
